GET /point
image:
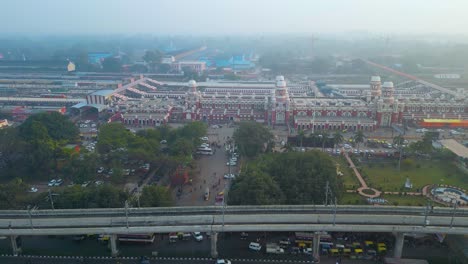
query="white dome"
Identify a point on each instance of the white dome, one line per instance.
(281, 83)
(192, 83)
(279, 78)
(387, 85)
(375, 79)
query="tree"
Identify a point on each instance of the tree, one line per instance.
(57, 126)
(300, 136)
(155, 196)
(153, 58)
(252, 139)
(111, 65)
(255, 187)
(337, 138)
(286, 178)
(112, 136)
(324, 138)
(359, 138)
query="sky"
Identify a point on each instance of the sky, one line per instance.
(225, 17)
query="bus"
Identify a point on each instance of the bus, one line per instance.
(205, 151)
(137, 238)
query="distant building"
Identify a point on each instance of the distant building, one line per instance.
(168, 59)
(196, 66)
(71, 67)
(98, 57)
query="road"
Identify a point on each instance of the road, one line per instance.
(23, 260)
(210, 172)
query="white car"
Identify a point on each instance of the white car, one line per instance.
(163, 141)
(100, 170)
(204, 145)
(198, 236)
(234, 159)
(231, 163)
(255, 246)
(204, 138)
(229, 176)
(52, 183)
(223, 261)
(33, 190)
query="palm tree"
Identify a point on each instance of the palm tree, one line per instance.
(325, 136)
(399, 140)
(359, 138)
(337, 138)
(300, 136)
(287, 147)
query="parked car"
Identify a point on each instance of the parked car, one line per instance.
(52, 182)
(223, 261)
(255, 246)
(229, 176)
(198, 236)
(33, 190)
(231, 163)
(204, 138)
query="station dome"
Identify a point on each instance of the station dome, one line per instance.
(387, 85)
(279, 78)
(192, 83)
(280, 83)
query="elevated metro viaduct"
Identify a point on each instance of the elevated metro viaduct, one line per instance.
(215, 219)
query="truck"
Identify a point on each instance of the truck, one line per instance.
(274, 248)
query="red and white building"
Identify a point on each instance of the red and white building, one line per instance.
(276, 103)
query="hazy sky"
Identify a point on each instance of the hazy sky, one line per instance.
(232, 16)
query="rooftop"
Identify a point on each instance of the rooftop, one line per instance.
(103, 92)
(455, 147)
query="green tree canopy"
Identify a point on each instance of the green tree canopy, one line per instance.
(155, 196)
(288, 178)
(252, 139)
(56, 125)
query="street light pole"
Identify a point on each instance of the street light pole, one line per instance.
(126, 212)
(51, 200)
(30, 217)
(334, 213)
(453, 214)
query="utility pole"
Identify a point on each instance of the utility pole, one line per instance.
(326, 194)
(30, 217)
(126, 211)
(51, 200)
(138, 199)
(334, 213)
(426, 212)
(453, 213)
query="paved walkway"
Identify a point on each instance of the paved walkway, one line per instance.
(361, 180)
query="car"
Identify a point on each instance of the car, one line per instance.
(85, 184)
(229, 176)
(163, 141)
(204, 145)
(231, 163)
(100, 170)
(58, 182)
(198, 236)
(144, 260)
(223, 261)
(52, 182)
(204, 138)
(234, 159)
(255, 246)
(33, 190)
(347, 146)
(98, 183)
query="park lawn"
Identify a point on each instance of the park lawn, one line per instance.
(350, 182)
(405, 200)
(352, 199)
(385, 177)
